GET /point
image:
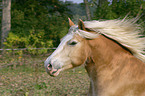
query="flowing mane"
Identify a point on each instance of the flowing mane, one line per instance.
(125, 32)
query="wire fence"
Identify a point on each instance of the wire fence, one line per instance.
(26, 48)
(13, 59)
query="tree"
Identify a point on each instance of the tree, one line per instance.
(6, 20)
(87, 10)
(37, 23)
(98, 3)
(119, 9)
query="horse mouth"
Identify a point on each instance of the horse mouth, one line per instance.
(54, 72)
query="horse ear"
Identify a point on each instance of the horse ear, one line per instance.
(70, 22)
(81, 25)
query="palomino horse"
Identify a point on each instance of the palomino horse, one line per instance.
(111, 51)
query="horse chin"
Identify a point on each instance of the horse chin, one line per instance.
(55, 72)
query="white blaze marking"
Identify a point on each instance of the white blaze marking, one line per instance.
(59, 48)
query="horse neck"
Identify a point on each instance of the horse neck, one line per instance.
(104, 57)
(103, 50)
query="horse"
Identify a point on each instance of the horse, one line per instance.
(111, 52)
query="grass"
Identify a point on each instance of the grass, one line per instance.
(28, 78)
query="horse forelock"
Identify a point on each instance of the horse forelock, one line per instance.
(84, 34)
(125, 32)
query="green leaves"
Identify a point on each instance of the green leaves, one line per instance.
(34, 40)
(37, 24)
(119, 9)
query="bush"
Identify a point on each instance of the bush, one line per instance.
(34, 40)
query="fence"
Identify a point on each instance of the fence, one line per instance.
(26, 48)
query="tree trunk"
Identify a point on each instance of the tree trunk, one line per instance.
(87, 10)
(6, 20)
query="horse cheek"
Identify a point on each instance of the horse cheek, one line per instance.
(79, 59)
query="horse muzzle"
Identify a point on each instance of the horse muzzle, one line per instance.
(52, 71)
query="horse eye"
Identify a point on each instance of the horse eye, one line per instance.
(73, 43)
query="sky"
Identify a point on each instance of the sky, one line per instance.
(75, 1)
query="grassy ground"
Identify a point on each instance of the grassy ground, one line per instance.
(28, 78)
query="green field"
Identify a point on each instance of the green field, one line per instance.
(27, 77)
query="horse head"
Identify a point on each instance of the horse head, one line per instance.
(71, 52)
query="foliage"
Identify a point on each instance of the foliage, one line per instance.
(37, 24)
(38, 16)
(32, 41)
(76, 9)
(42, 23)
(118, 9)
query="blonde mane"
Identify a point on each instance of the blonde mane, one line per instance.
(126, 32)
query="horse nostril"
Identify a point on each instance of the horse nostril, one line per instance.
(49, 67)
